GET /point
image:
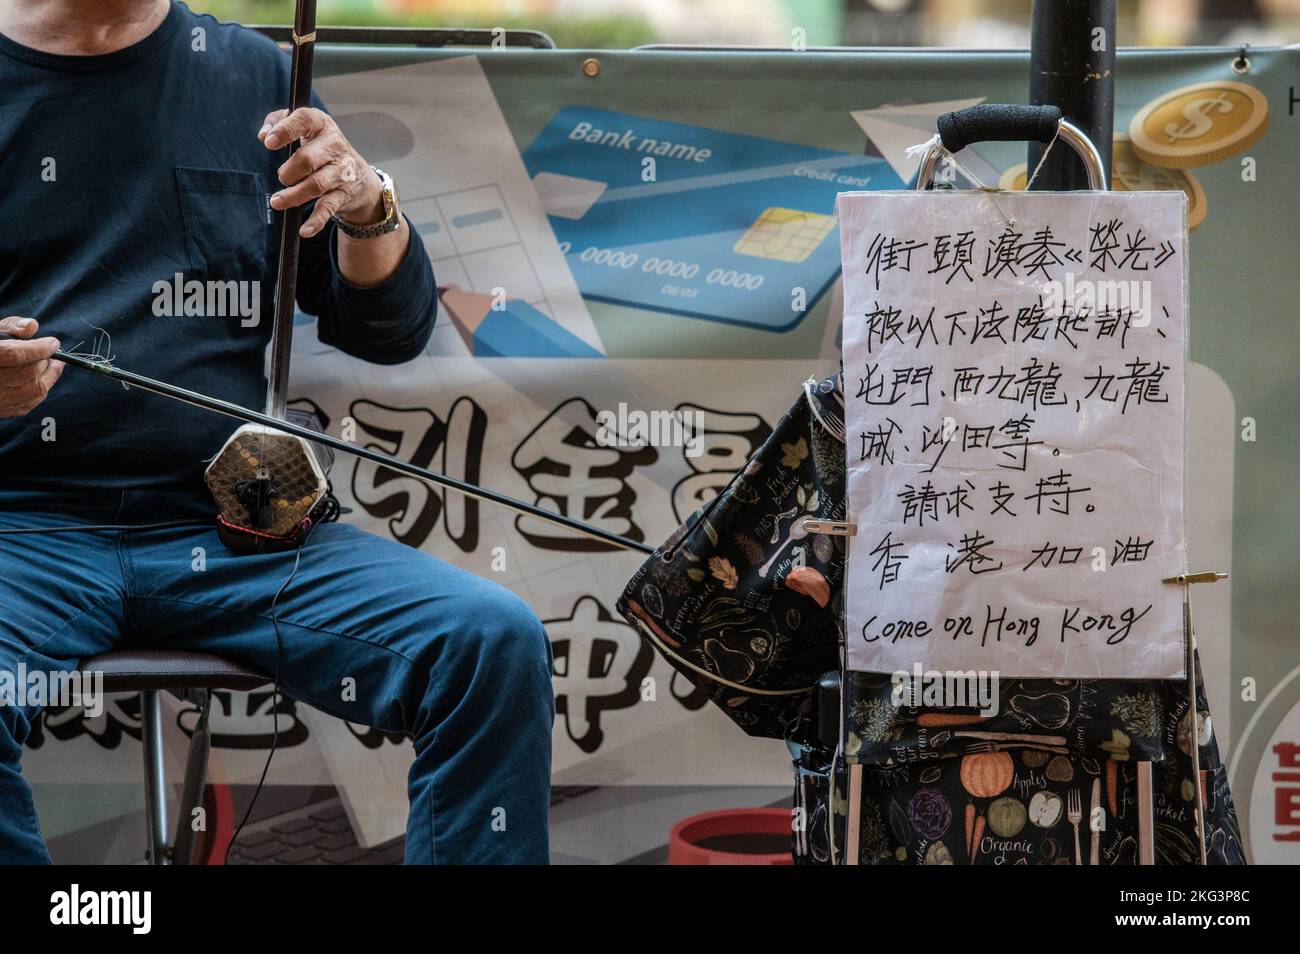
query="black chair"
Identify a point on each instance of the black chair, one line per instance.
(189, 676)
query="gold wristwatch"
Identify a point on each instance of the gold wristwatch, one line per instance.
(391, 221)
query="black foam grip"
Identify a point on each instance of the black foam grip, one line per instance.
(992, 122)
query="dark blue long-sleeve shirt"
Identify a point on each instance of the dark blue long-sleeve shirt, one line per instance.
(119, 172)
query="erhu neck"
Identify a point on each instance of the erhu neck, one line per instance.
(277, 379)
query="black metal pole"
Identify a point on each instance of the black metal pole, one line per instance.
(1072, 65)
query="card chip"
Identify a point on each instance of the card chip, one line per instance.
(786, 235)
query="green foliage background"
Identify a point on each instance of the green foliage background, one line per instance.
(607, 33)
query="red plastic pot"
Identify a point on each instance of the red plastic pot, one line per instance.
(734, 836)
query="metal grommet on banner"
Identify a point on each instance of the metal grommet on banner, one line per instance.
(591, 67)
(1241, 65)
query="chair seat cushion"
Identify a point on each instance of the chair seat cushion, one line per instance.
(136, 670)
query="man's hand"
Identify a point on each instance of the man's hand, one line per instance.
(26, 370)
(325, 168)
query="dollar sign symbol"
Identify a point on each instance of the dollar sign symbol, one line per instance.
(1197, 114)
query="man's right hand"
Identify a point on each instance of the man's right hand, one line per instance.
(27, 371)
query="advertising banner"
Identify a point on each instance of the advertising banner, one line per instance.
(638, 256)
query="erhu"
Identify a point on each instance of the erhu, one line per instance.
(271, 487)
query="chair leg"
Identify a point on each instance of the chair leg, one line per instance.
(155, 778)
(196, 776)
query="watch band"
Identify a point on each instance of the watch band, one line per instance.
(391, 221)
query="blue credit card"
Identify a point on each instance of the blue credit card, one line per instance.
(695, 221)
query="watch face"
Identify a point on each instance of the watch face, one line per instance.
(390, 190)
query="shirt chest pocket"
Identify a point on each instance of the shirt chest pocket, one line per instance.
(225, 218)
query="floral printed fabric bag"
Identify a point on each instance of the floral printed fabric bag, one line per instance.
(741, 599)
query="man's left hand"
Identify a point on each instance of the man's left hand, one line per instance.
(325, 167)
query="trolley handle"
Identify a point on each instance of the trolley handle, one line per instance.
(999, 122)
(994, 122)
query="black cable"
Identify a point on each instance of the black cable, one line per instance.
(275, 704)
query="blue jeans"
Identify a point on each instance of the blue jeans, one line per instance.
(458, 663)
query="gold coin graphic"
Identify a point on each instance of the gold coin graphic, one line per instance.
(1199, 124)
(1014, 179)
(1128, 173)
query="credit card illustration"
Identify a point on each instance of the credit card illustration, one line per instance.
(695, 221)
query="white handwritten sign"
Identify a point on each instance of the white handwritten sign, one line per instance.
(1013, 378)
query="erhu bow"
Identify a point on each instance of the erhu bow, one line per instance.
(270, 479)
(218, 406)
